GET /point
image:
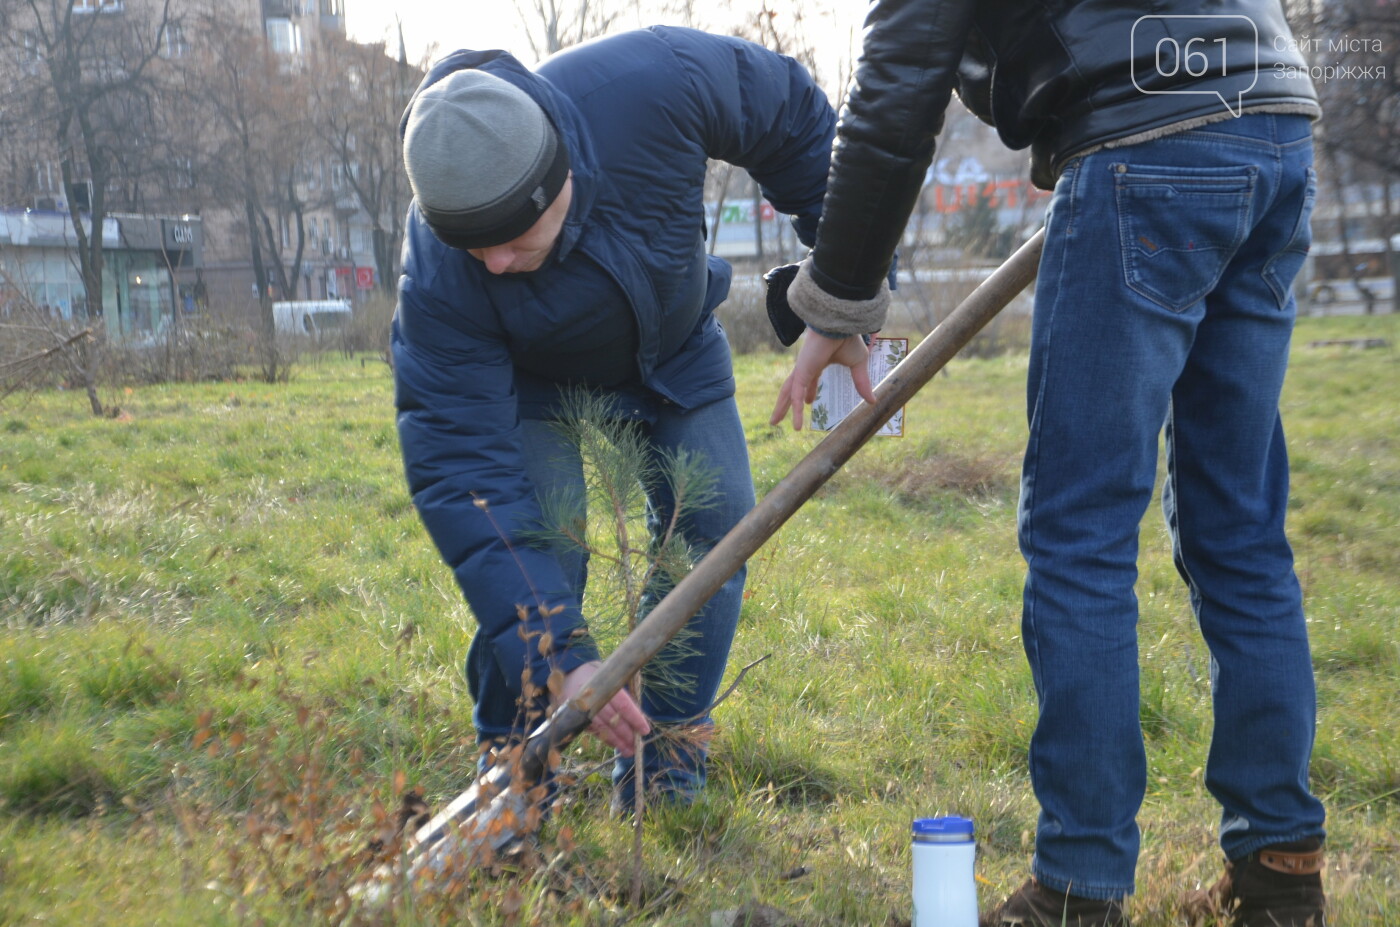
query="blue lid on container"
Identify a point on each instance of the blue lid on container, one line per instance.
(949, 828)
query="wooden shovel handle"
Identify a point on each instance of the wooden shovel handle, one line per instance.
(783, 500)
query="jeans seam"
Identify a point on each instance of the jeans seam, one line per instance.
(1204, 136)
(1094, 891)
(1304, 217)
(1174, 519)
(1074, 170)
(1243, 141)
(1034, 438)
(1277, 159)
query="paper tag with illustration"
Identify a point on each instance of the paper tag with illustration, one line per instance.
(836, 393)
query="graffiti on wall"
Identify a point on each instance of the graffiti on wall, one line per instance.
(742, 213)
(960, 184)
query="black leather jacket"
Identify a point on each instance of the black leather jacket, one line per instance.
(1059, 76)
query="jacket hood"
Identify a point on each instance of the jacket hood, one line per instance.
(583, 162)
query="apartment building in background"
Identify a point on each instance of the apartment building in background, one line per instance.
(171, 247)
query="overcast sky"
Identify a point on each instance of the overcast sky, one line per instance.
(469, 24)
(833, 25)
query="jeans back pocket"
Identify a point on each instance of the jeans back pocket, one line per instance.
(1178, 227)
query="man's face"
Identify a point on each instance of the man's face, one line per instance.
(529, 251)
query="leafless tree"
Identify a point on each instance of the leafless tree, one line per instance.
(553, 25)
(87, 74)
(1350, 47)
(38, 347)
(80, 76)
(784, 32)
(1354, 50)
(358, 94)
(255, 153)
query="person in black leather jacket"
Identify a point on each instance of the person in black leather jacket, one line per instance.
(1178, 146)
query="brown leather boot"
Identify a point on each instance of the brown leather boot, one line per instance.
(1276, 886)
(1034, 905)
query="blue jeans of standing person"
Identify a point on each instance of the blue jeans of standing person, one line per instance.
(674, 765)
(1164, 302)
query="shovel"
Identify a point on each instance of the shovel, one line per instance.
(491, 813)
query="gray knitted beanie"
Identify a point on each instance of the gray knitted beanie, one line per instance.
(483, 159)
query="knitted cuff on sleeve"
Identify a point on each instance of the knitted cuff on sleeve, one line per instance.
(821, 310)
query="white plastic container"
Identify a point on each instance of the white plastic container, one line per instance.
(945, 892)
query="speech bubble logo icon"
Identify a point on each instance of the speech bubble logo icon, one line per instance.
(1183, 48)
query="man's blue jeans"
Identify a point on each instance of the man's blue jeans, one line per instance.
(1164, 301)
(673, 765)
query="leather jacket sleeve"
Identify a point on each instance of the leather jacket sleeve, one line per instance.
(885, 138)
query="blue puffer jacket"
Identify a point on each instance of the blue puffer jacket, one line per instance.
(625, 304)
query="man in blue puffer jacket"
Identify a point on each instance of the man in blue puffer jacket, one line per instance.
(557, 240)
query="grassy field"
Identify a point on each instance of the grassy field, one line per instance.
(229, 646)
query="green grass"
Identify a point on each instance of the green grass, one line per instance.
(228, 644)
